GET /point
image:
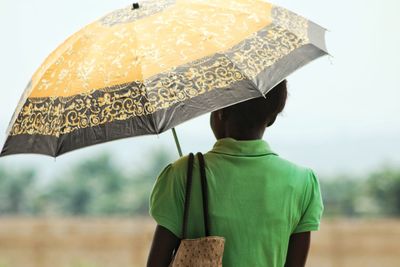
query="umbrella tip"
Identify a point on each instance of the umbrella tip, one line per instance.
(135, 6)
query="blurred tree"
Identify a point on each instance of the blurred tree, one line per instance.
(99, 186)
(143, 179)
(92, 187)
(384, 187)
(17, 188)
(340, 195)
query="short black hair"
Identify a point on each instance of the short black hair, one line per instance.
(261, 111)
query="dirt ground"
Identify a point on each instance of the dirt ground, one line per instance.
(72, 242)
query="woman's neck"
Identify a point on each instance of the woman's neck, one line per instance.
(242, 135)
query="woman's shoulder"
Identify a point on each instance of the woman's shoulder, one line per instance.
(292, 169)
(176, 170)
(291, 164)
(181, 162)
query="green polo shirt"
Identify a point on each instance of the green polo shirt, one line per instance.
(256, 201)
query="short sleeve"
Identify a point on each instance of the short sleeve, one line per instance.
(166, 200)
(312, 207)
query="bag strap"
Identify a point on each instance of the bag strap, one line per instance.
(204, 193)
(188, 193)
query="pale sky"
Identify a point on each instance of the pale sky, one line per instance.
(342, 115)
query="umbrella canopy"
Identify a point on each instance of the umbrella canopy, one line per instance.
(146, 68)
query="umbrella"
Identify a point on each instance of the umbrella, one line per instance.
(148, 67)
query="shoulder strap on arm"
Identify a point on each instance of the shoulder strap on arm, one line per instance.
(187, 195)
(204, 193)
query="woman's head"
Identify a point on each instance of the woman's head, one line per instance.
(248, 119)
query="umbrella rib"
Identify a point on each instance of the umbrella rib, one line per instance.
(57, 141)
(144, 81)
(243, 73)
(151, 114)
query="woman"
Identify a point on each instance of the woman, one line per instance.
(264, 205)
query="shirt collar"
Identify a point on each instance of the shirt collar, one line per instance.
(235, 147)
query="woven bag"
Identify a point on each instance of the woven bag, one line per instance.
(204, 251)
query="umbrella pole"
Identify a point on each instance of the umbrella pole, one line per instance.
(178, 146)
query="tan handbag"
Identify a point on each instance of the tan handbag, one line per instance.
(204, 251)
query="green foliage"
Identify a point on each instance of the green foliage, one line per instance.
(93, 187)
(376, 195)
(384, 187)
(16, 189)
(340, 196)
(99, 186)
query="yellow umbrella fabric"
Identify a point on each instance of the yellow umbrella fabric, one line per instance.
(145, 68)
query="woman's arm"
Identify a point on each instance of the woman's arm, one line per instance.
(164, 243)
(298, 249)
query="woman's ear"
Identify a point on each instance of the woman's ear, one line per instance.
(271, 121)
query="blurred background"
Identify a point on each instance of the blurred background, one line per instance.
(89, 208)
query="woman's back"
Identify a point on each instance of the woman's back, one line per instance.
(256, 201)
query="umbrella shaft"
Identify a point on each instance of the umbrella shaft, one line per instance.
(178, 146)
